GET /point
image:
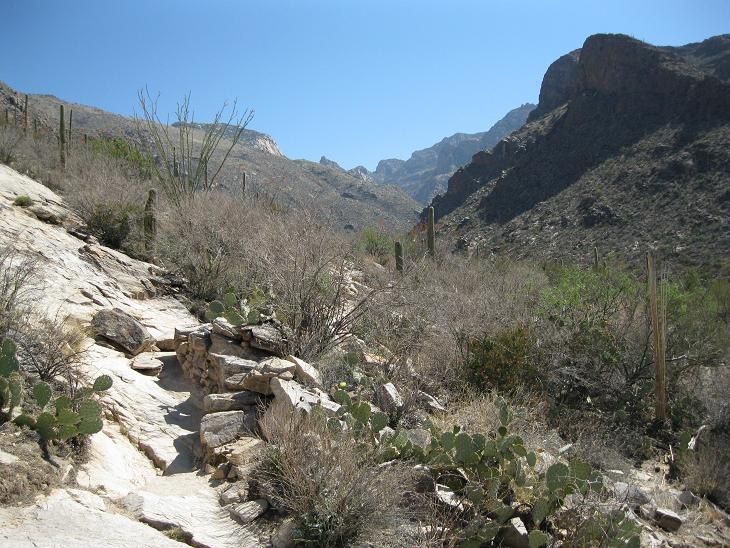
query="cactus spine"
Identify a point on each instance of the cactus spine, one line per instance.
(62, 137)
(431, 233)
(150, 221)
(399, 256)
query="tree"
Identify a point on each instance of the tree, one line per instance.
(186, 164)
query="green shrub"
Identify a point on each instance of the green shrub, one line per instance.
(140, 163)
(112, 222)
(503, 362)
(23, 201)
(375, 243)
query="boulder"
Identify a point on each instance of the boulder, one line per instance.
(389, 398)
(224, 328)
(230, 401)
(247, 512)
(228, 347)
(304, 372)
(218, 429)
(283, 537)
(429, 402)
(688, 499)
(123, 330)
(667, 520)
(242, 452)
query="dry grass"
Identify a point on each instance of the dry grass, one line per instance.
(329, 482)
(30, 475)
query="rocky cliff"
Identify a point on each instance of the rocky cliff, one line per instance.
(425, 173)
(627, 148)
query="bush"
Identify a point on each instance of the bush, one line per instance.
(376, 244)
(328, 482)
(140, 164)
(112, 223)
(23, 201)
(10, 138)
(17, 273)
(504, 362)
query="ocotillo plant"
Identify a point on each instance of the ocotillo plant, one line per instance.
(657, 309)
(398, 256)
(62, 137)
(150, 221)
(25, 114)
(431, 233)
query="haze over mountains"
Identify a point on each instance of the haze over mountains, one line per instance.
(629, 148)
(426, 172)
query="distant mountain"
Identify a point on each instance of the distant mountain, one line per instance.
(361, 172)
(629, 148)
(426, 172)
(346, 200)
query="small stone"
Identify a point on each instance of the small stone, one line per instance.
(221, 471)
(7, 458)
(146, 362)
(385, 433)
(233, 493)
(668, 520)
(389, 398)
(292, 395)
(429, 401)
(247, 512)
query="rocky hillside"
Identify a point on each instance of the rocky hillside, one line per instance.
(346, 200)
(425, 173)
(628, 149)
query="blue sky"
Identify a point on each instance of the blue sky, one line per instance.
(355, 81)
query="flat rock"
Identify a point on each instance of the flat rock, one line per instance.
(233, 493)
(230, 401)
(7, 458)
(218, 429)
(188, 502)
(65, 518)
(147, 361)
(267, 337)
(242, 451)
(122, 329)
(223, 327)
(632, 494)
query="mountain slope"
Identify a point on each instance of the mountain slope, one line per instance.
(347, 200)
(629, 148)
(425, 173)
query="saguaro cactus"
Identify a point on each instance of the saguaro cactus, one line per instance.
(243, 185)
(658, 327)
(398, 256)
(70, 122)
(431, 233)
(150, 221)
(62, 137)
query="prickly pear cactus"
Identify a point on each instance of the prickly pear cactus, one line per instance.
(234, 311)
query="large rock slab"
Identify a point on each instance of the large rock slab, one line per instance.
(188, 502)
(122, 329)
(305, 373)
(75, 518)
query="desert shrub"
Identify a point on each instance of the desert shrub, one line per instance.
(112, 223)
(141, 164)
(376, 244)
(10, 138)
(17, 273)
(50, 347)
(326, 480)
(23, 201)
(504, 362)
(706, 470)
